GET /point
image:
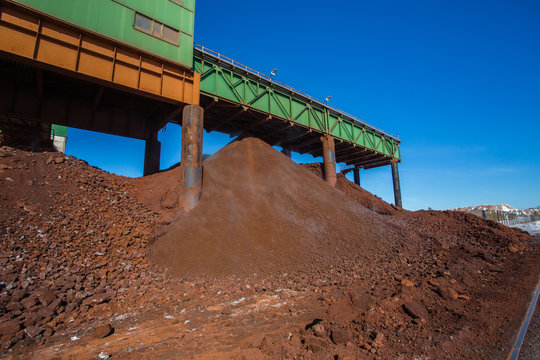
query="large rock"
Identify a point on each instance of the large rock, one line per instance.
(10, 327)
(319, 330)
(415, 310)
(340, 335)
(46, 297)
(314, 344)
(96, 299)
(29, 302)
(103, 331)
(14, 306)
(33, 331)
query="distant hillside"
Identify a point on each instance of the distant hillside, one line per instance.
(500, 207)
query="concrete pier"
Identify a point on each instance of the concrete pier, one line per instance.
(191, 157)
(397, 188)
(152, 154)
(329, 158)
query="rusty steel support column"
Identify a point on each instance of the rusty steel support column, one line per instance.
(356, 174)
(397, 188)
(152, 153)
(286, 152)
(191, 157)
(329, 158)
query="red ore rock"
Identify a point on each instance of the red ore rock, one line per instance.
(46, 297)
(103, 331)
(10, 327)
(97, 299)
(33, 331)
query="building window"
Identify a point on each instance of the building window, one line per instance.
(143, 23)
(170, 35)
(156, 29)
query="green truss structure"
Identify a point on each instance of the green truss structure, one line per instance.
(224, 79)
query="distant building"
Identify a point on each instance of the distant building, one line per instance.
(59, 137)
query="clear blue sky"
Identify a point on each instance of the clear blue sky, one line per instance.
(459, 81)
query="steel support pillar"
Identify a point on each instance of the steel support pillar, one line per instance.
(152, 153)
(397, 188)
(191, 157)
(356, 174)
(329, 158)
(286, 152)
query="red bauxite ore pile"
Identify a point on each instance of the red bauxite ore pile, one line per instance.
(272, 264)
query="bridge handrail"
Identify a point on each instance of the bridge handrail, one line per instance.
(235, 63)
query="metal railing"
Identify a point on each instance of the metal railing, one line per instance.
(270, 79)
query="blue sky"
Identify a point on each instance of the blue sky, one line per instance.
(459, 81)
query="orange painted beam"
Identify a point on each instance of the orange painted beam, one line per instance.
(38, 37)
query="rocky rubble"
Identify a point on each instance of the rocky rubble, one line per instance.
(79, 277)
(73, 244)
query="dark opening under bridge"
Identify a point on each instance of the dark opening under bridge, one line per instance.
(61, 68)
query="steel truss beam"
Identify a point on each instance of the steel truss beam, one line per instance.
(227, 80)
(356, 156)
(376, 164)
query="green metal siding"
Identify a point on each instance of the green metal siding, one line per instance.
(115, 18)
(59, 130)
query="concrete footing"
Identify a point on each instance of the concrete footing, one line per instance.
(329, 158)
(152, 154)
(397, 188)
(59, 143)
(191, 157)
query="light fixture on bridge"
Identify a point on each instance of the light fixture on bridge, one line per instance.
(274, 72)
(328, 98)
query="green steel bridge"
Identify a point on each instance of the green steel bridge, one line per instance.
(244, 102)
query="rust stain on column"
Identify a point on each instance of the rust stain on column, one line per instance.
(329, 158)
(191, 161)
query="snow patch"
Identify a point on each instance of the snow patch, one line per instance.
(532, 228)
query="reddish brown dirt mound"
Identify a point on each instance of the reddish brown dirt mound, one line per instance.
(261, 212)
(160, 192)
(339, 273)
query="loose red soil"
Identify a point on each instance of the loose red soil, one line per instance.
(273, 263)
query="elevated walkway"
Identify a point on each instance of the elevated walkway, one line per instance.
(244, 102)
